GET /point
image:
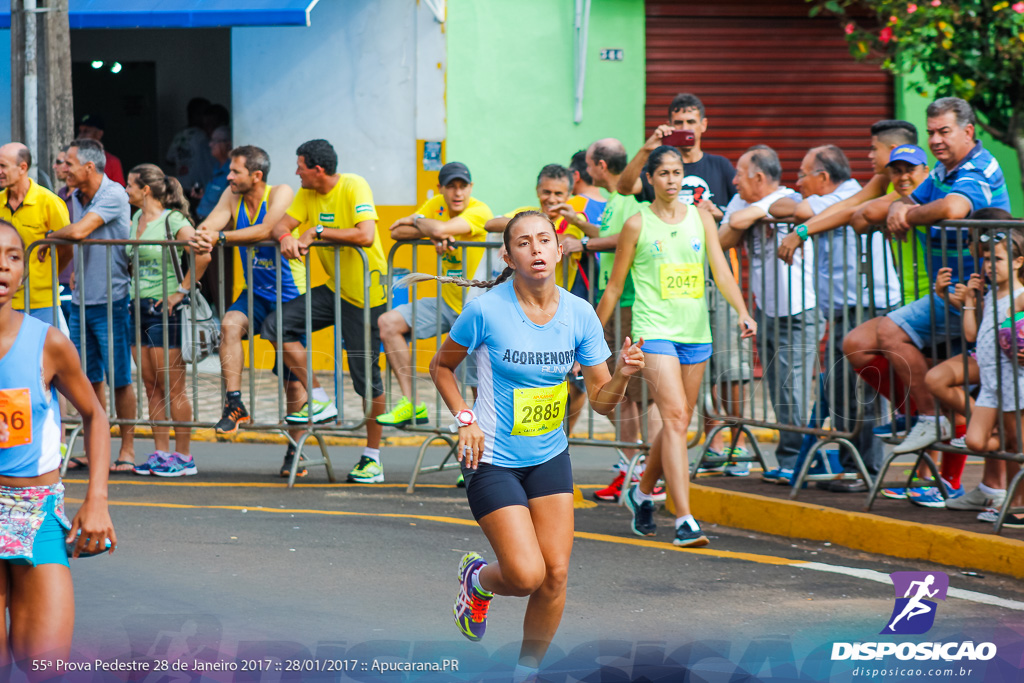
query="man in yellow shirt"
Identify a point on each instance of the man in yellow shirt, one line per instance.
(336, 208)
(453, 214)
(554, 187)
(34, 211)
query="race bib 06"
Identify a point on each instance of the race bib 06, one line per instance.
(539, 411)
(16, 412)
(682, 280)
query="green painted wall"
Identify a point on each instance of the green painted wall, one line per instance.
(510, 89)
(910, 106)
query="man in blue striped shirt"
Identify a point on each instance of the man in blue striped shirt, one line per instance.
(965, 178)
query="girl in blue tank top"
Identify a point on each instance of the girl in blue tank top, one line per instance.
(36, 360)
(525, 333)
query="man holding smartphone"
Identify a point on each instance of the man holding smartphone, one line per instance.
(707, 182)
(708, 179)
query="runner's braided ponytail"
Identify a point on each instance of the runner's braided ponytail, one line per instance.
(413, 278)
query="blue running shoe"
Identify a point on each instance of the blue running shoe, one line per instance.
(154, 460)
(785, 477)
(689, 538)
(771, 476)
(931, 497)
(177, 465)
(471, 606)
(643, 513)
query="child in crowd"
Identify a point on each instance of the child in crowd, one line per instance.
(1002, 377)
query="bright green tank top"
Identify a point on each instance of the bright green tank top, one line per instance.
(617, 211)
(668, 275)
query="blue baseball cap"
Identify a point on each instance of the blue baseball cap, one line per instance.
(912, 154)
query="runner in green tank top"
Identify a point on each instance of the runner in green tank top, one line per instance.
(665, 247)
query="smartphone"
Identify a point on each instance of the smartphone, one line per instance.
(70, 545)
(680, 138)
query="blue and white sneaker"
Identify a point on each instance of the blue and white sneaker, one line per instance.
(471, 606)
(900, 493)
(771, 476)
(154, 460)
(177, 465)
(737, 469)
(931, 497)
(643, 523)
(785, 477)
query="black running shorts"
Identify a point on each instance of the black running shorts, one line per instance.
(492, 487)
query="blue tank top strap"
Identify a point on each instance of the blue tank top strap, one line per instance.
(30, 410)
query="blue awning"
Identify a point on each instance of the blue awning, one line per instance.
(179, 13)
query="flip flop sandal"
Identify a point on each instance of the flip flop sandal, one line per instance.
(77, 464)
(118, 464)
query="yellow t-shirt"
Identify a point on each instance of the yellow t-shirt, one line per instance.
(476, 214)
(41, 212)
(563, 227)
(348, 203)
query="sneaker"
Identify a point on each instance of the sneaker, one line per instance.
(610, 493)
(785, 477)
(989, 515)
(154, 460)
(715, 469)
(685, 538)
(931, 497)
(177, 465)
(976, 499)
(286, 466)
(659, 494)
(461, 481)
(471, 606)
(772, 476)
(402, 414)
(234, 414)
(958, 442)
(323, 411)
(643, 513)
(897, 426)
(367, 471)
(924, 435)
(738, 469)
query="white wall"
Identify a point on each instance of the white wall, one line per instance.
(5, 85)
(348, 78)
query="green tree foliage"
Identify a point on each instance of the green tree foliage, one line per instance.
(972, 49)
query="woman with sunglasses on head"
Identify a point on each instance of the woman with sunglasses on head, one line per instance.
(525, 334)
(36, 593)
(665, 247)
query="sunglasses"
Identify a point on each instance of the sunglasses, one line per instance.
(986, 237)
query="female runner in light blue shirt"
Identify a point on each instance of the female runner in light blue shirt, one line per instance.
(526, 333)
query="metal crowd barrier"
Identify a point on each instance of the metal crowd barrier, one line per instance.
(831, 286)
(440, 427)
(310, 430)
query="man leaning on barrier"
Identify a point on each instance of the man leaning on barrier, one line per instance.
(784, 296)
(101, 206)
(245, 213)
(34, 212)
(841, 255)
(965, 178)
(453, 214)
(337, 209)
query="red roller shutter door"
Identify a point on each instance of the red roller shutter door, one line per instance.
(767, 74)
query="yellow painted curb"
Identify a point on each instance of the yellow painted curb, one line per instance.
(412, 439)
(859, 530)
(578, 501)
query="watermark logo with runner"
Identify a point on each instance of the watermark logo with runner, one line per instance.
(916, 593)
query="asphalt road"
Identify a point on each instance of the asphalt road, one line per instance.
(229, 567)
